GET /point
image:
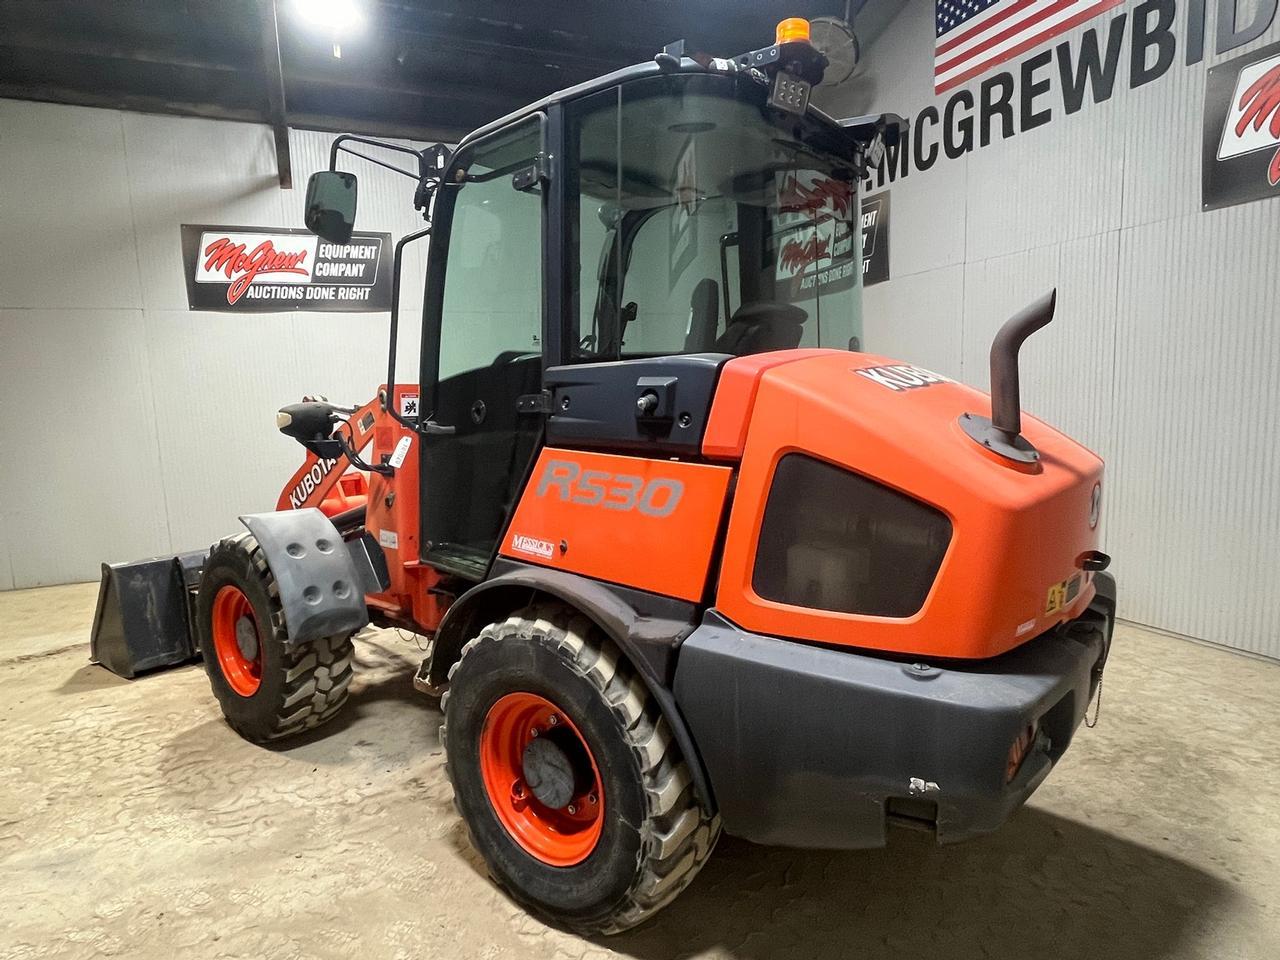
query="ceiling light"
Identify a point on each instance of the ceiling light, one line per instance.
(333, 16)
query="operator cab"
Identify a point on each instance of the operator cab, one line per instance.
(598, 256)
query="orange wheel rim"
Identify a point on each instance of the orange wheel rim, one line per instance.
(237, 641)
(556, 819)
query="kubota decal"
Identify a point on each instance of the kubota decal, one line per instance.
(658, 497)
(310, 480)
(902, 376)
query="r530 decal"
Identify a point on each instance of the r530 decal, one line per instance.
(614, 491)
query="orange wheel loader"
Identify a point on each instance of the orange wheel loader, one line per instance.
(690, 560)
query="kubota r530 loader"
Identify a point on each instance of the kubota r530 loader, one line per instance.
(690, 560)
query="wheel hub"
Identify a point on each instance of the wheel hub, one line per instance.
(247, 638)
(548, 772)
(235, 640)
(542, 781)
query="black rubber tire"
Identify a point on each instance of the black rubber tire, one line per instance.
(303, 685)
(656, 835)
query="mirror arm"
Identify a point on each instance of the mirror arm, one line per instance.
(387, 396)
(338, 142)
(382, 163)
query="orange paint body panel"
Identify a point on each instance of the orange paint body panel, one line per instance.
(351, 491)
(1015, 532)
(644, 523)
(392, 519)
(726, 433)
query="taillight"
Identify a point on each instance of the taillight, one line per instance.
(1018, 752)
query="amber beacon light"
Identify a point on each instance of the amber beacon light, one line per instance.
(791, 30)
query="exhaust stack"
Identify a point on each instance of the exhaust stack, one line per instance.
(1002, 433)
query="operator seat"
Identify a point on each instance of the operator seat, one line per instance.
(704, 316)
(762, 326)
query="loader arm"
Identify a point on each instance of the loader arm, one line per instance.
(316, 483)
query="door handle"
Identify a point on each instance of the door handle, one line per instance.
(433, 429)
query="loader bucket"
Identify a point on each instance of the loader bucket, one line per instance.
(145, 618)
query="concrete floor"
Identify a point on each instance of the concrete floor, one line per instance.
(134, 823)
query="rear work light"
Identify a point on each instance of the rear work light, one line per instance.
(1018, 752)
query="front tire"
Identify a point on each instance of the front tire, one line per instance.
(267, 687)
(567, 775)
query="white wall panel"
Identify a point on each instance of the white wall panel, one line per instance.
(1196, 498)
(1015, 204)
(909, 319)
(6, 563)
(932, 206)
(184, 170)
(65, 209)
(80, 475)
(218, 380)
(170, 427)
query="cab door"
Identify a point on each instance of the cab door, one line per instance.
(484, 349)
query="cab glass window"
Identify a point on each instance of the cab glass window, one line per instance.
(706, 222)
(493, 285)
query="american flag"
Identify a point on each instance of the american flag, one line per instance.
(975, 35)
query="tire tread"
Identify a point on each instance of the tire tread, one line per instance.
(677, 835)
(316, 674)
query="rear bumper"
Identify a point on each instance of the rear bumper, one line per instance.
(812, 747)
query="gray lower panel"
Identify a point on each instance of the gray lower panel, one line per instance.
(813, 747)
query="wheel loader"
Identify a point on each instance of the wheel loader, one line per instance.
(689, 559)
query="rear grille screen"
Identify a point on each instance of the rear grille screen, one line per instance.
(834, 540)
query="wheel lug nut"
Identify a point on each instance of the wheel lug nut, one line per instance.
(591, 799)
(553, 720)
(535, 732)
(572, 808)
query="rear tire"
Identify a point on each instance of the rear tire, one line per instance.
(652, 836)
(267, 688)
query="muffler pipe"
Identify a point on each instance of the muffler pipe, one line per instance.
(1002, 434)
(1006, 404)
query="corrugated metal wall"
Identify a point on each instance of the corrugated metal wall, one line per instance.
(1165, 355)
(131, 425)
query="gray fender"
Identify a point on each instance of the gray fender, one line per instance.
(638, 634)
(321, 588)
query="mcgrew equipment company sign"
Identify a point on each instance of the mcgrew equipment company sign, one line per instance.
(255, 269)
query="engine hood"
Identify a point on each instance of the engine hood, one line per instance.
(1013, 565)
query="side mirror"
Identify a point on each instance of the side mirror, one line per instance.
(331, 205)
